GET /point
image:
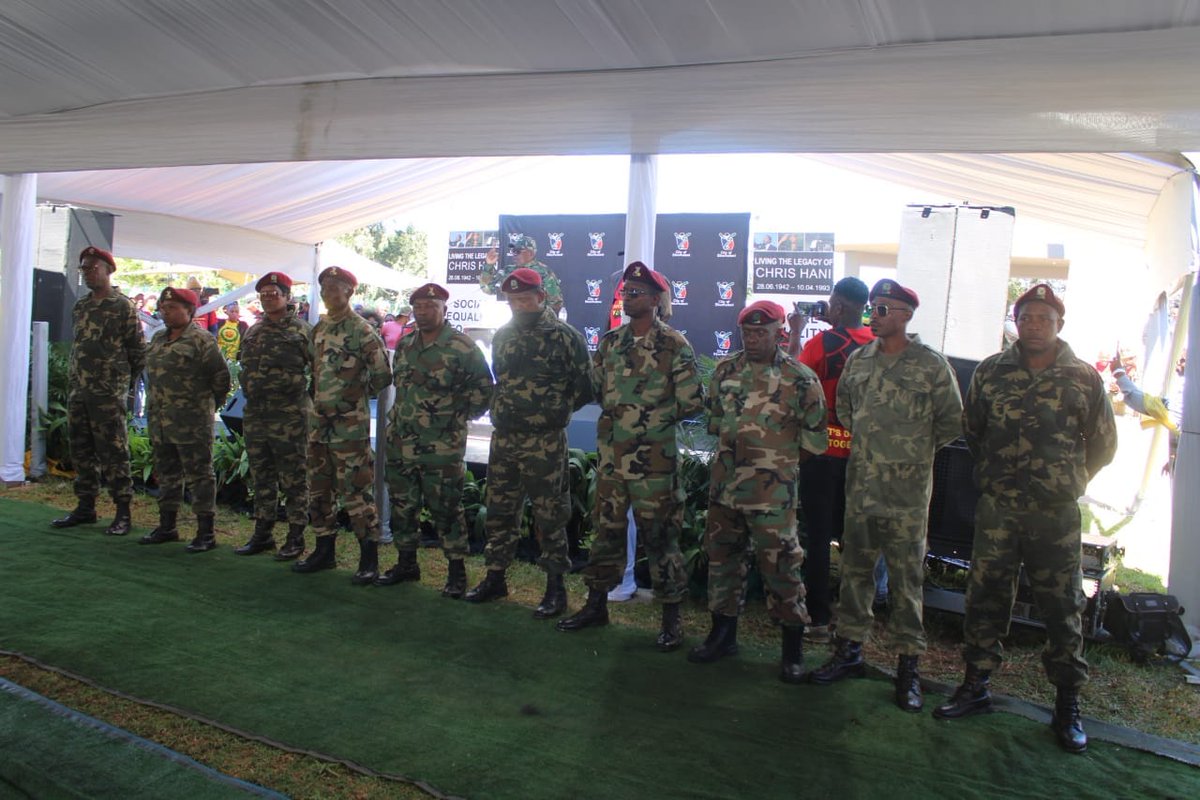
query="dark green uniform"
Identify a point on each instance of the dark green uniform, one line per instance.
(187, 381)
(1037, 439)
(107, 356)
(276, 361)
(439, 387)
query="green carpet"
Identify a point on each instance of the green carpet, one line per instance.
(48, 752)
(485, 702)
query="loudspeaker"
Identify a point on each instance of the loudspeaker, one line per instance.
(952, 506)
(63, 232)
(233, 412)
(52, 302)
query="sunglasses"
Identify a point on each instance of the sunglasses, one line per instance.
(633, 293)
(883, 311)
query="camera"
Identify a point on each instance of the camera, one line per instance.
(812, 310)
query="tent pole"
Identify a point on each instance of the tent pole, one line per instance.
(18, 234)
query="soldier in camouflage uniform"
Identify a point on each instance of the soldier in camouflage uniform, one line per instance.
(187, 381)
(276, 362)
(442, 380)
(543, 374)
(646, 383)
(349, 367)
(107, 356)
(768, 412)
(1039, 425)
(899, 399)
(524, 251)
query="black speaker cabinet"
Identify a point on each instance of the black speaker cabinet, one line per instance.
(63, 232)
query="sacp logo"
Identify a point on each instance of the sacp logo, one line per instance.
(593, 290)
(592, 335)
(728, 240)
(597, 240)
(679, 291)
(724, 341)
(556, 244)
(683, 243)
(725, 290)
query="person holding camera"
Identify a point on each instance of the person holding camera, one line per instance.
(823, 478)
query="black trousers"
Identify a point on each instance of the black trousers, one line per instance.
(823, 504)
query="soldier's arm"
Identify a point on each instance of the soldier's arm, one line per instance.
(974, 415)
(598, 369)
(479, 378)
(135, 344)
(1100, 432)
(581, 368)
(814, 418)
(947, 406)
(689, 390)
(379, 372)
(712, 402)
(217, 371)
(845, 398)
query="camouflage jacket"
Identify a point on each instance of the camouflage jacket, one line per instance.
(763, 416)
(645, 387)
(543, 374)
(492, 275)
(1038, 438)
(439, 387)
(187, 381)
(900, 411)
(276, 360)
(109, 350)
(349, 367)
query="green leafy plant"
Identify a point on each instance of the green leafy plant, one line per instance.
(141, 457)
(231, 465)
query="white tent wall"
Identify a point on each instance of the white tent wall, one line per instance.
(17, 242)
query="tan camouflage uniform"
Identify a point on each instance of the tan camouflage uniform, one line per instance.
(1037, 439)
(900, 409)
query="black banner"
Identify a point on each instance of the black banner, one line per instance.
(703, 257)
(793, 264)
(584, 251)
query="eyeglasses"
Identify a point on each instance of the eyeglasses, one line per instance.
(632, 293)
(270, 295)
(883, 311)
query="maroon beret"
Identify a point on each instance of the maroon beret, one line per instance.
(761, 312)
(637, 272)
(1043, 294)
(894, 291)
(341, 273)
(522, 280)
(430, 291)
(274, 279)
(96, 252)
(180, 295)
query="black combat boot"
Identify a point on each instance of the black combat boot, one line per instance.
(847, 662)
(322, 556)
(83, 514)
(205, 539)
(670, 632)
(791, 663)
(972, 697)
(260, 541)
(368, 563)
(492, 587)
(122, 520)
(554, 600)
(1066, 723)
(166, 530)
(721, 641)
(406, 569)
(294, 546)
(908, 685)
(456, 580)
(593, 613)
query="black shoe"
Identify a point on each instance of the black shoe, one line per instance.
(368, 563)
(791, 663)
(165, 532)
(322, 556)
(554, 600)
(721, 641)
(593, 613)
(294, 546)
(492, 587)
(1066, 723)
(908, 685)
(670, 633)
(456, 580)
(122, 520)
(260, 541)
(971, 697)
(82, 515)
(205, 539)
(847, 662)
(406, 569)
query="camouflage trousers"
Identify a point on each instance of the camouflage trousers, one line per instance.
(728, 536)
(278, 453)
(99, 447)
(532, 465)
(413, 485)
(345, 471)
(1047, 540)
(657, 502)
(902, 543)
(175, 464)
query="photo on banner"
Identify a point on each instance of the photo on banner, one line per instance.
(792, 267)
(703, 258)
(469, 306)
